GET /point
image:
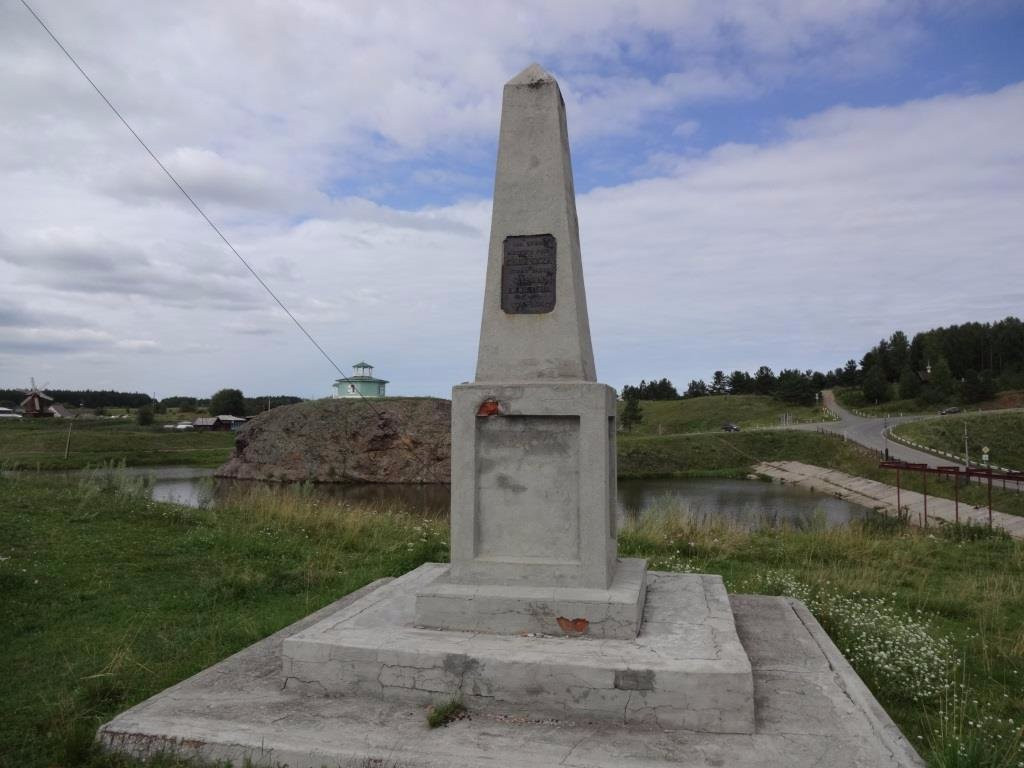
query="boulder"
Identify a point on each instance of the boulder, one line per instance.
(393, 440)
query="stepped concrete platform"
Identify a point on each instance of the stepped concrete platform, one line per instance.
(615, 612)
(686, 669)
(811, 709)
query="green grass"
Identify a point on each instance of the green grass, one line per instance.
(735, 454)
(1002, 433)
(886, 588)
(708, 414)
(107, 598)
(39, 444)
(445, 712)
(853, 399)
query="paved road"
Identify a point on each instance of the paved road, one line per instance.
(869, 433)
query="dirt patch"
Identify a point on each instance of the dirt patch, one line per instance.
(398, 440)
(1010, 399)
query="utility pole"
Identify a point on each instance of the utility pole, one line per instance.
(967, 456)
(67, 444)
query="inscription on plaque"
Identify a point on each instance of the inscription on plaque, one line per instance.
(528, 274)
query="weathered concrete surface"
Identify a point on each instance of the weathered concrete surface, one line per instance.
(533, 438)
(518, 610)
(534, 195)
(397, 440)
(533, 484)
(686, 669)
(811, 710)
(876, 495)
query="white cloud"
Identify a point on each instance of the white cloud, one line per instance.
(804, 252)
(686, 128)
(137, 345)
(795, 252)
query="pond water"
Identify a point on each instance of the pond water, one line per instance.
(750, 502)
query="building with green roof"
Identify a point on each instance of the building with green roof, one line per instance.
(362, 383)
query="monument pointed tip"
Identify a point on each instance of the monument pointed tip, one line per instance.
(532, 75)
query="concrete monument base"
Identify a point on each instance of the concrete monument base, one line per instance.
(811, 709)
(533, 484)
(686, 669)
(519, 610)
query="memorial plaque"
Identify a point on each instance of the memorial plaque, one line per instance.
(528, 274)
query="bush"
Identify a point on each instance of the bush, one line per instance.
(875, 387)
(228, 402)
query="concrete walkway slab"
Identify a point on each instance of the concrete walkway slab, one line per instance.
(876, 495)
(811, 710)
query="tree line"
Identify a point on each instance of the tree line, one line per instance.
(82, 398)
(100, 400)
(969, 363)
(229, 402)
(789, 385)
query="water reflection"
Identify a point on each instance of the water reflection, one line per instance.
(748, 502)
(751, 503)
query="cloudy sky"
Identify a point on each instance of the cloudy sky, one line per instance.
(779, 182)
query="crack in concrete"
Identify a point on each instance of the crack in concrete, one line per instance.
(317, 683)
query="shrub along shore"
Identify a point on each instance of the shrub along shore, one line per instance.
(107, 597)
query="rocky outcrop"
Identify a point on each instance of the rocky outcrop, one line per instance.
(395, 440)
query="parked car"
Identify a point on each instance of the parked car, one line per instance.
(947, 411)
(730, 427)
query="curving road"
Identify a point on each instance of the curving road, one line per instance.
(869, 433)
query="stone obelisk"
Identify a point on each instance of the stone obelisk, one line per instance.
(508, 624)
(535, 324)
(533, 545)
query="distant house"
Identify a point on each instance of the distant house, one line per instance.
(59, 411)
(221, 423)
(233, 422)
(36, 403)
(361, 383)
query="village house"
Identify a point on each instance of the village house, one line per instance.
(222, 423)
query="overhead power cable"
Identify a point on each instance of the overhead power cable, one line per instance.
(196, 205)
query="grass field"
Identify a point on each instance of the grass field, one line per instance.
(852, 398)
(707, 414)
(734, 454)
(1002, 433)
(107, 598)
(39, 444)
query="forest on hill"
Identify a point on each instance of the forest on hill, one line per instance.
(969, 363)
